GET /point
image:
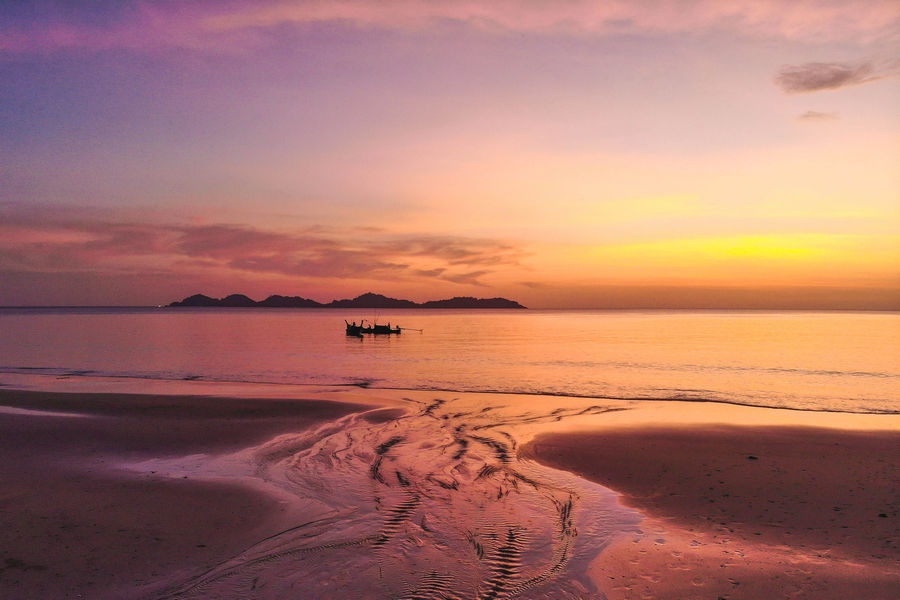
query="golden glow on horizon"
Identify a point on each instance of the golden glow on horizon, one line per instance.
(797, 259)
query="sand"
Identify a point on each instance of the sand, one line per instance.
(75, 525)
(744, 512)
(772, 510)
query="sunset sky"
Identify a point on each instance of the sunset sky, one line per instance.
(561, 153)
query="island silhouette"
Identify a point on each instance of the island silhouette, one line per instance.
(367, 300)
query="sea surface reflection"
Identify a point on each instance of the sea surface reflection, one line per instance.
(804, 360)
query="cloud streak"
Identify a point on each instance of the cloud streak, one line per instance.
(224, 26)
(812, 115)
(819, 76)
(72, 245)
(806, 19)
(814, 77)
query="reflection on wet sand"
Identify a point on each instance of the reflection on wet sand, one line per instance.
(400, 495)
(428, 503)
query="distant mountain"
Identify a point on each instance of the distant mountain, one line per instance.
(197, 300)
(276, 301)
(367, 300)
(370, 300)
(237, 301)
(242, 301)
(470, 302)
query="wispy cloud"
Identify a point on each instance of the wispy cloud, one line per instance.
(807, 19)
(535, 285)
(453, 250)
(812, 115)
(819, 76)
(65, 245)
(471, 278)
(342, 263)
(228, 25)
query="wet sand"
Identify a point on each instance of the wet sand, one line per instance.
(75, 525)
(762, 511)
(743, 512)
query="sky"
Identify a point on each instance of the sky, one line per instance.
(565, 154)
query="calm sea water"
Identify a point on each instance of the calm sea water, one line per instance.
(803, 360)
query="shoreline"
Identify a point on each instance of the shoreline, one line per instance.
(73, 382)
(79, 523)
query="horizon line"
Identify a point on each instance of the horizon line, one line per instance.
(560, 308)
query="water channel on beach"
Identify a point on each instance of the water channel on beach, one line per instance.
(427, 502)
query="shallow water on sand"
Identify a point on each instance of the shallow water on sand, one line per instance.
(426, 502)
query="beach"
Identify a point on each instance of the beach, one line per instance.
(77, 525)
(449, 300)
(744, 512)
(109, 495)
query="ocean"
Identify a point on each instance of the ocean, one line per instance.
(831, 361)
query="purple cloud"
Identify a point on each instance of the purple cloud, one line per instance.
(815, 77)
(70, 244)
(812, 115)
(226, 24)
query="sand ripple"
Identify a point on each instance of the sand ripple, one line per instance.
(430, 504)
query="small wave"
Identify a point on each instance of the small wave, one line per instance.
(727, 368)
(873, 405)
(662, 398)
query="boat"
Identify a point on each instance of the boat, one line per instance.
(375, 329)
